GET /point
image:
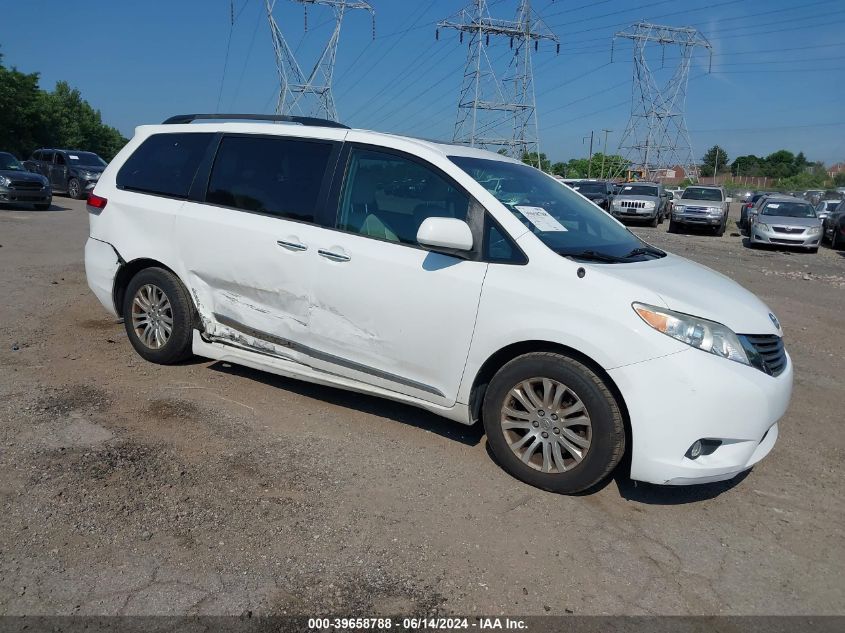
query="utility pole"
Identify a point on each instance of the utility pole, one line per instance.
(310, 95)
(656, 135)
(604, 152)
(590, 160)
(498, 110)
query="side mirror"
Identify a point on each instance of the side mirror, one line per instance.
(445, 235)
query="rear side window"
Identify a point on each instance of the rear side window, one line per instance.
(164, 164)
(278, 176)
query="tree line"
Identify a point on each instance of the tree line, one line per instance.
(31, 118)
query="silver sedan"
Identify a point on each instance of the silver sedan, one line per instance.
(786, 222)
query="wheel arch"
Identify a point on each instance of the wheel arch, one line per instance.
(125, 274)
(506, 354)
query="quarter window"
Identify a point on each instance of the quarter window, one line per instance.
(387, 197)
(277, 176)
(164, 164)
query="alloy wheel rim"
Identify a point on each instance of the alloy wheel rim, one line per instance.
(74, 188)
(152, 316)
(546, 425)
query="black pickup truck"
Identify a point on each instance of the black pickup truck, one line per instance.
(69, 171)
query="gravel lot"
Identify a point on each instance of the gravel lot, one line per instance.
(130, 488)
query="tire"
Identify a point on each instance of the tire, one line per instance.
(558, 470)
(661, 218)
(720, 231)
(653, 221)
(149, 285)
(74, 189)
(834, 240)
(673, 226)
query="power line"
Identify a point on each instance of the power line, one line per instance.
(226, 59)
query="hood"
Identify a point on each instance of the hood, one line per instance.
(784, 220)
(694, 289)
(698, 203)
(26, 176)
(623, 196)
(93, 169)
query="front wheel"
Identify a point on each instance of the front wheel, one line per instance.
(158, 316)
(653, 221)
(74, 189)
(553, 423)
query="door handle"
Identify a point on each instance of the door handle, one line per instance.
(292, 246)
(335, 257)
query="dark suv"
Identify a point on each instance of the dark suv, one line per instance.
(69, 171)
(599, 192)
(18, 186)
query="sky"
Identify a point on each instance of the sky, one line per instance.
(777, 78)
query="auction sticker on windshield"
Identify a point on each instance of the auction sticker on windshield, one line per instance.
(541, 219)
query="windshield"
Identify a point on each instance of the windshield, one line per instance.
(560, 218)
(790, 209)
(702, 193)
(638, 190)
(831, 205)
(86, 159)
(9, 162)
(589, 187)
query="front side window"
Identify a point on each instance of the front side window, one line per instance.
(278, 176)
(789, 209)
(702, 193)
(388, 197)
(164, 164)
(60, 160)
(47, 157)
(560, 218)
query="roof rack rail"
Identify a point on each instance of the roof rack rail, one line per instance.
(284, 118)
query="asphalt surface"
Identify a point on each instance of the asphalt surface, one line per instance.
(204, 488)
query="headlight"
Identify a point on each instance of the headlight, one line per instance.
(714, 211)
(813, 230)
(761, 226)
(4, 182)
(680, 207)
(648, 205)
(705, 335)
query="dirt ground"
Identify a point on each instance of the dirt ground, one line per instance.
(131, 488)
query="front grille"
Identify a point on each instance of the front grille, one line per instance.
(25, 185)
(696, 209)
(632, 204)
(778, 240)
(771, 351)
(787, 229)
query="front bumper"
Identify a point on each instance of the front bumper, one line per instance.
(758, 236)
(9, 195)
(633, 214)
(675, 400)
(701, 219)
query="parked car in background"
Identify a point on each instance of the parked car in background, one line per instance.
(485, 292)
(826, 207)
(786, 221)
(833, 226)
(701, 206)
(747, 208)
(69, 171)
(599, 192)
(641, 201)
(813, 195)
(19, 186)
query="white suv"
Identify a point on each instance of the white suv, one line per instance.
(443, 276)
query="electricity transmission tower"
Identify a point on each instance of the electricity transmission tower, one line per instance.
(309, 95)
(498, 112)
(656, 136)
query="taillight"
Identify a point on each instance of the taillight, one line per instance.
(96, 203)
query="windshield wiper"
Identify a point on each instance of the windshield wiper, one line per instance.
(593, 255)
(645, 250)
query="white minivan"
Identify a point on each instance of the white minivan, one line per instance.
(443, 276)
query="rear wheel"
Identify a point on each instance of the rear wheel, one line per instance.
(157, 314)
(553, 423)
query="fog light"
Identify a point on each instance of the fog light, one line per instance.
(695, 450)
